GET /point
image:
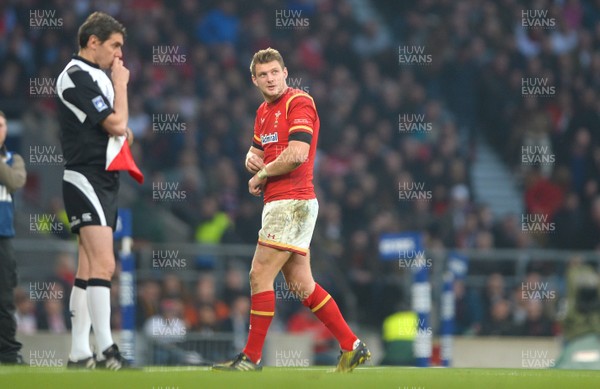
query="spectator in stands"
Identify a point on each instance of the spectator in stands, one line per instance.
(165, 330)
(206, 295)
(536, 323)
(469, 311)
(569, 222)
(237, 322)
(542, 196)
(208, 321)
(356, 78)
(235, 284)
(499, 323)
(25, 312)
(214, 222)
(52, 315)
(148, 303)
(494, 292)
(592, 226)
(220, 25)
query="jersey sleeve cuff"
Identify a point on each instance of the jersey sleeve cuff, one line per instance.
(301, 136)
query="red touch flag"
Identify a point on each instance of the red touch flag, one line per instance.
(118, 157)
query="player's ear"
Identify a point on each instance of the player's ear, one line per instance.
(254, 81)
(285, 73)
(92, 41)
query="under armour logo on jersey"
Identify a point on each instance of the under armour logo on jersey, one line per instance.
(262, 120)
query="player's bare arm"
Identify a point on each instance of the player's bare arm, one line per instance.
(293, 156)
(116, 122)
(254, 160)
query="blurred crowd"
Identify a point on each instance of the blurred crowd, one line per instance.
(480, 52)
(168, 308)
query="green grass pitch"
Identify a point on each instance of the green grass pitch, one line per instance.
(288, 378)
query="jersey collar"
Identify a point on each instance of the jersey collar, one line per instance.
(79, 58)
(272, 103)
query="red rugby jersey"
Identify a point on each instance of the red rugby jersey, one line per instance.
(294, 111)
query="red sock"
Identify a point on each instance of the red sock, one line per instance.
(262, 310)
(325, 308)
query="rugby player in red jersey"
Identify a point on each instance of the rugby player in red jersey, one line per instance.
(281, 158)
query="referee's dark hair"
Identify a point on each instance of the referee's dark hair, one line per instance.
(101, 25)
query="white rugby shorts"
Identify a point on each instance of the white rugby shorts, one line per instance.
(288, 225)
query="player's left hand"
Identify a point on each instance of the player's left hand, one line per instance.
(256, 185)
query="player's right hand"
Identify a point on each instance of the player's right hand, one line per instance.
(254, 163)
(256, 185)
(119, 73)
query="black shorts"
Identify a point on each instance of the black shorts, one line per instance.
(90, 197)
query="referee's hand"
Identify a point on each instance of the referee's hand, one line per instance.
(119, 73)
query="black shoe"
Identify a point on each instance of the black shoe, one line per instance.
(240, 363)
(113, 359)
(86, 363)
(17, 360)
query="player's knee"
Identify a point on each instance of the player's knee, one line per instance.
(302, 287)
(258, 281)
(254, 277)
(103, 269)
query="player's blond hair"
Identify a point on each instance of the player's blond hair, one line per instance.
(265, 56)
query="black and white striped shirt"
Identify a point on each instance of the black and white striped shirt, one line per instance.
(86, 97)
